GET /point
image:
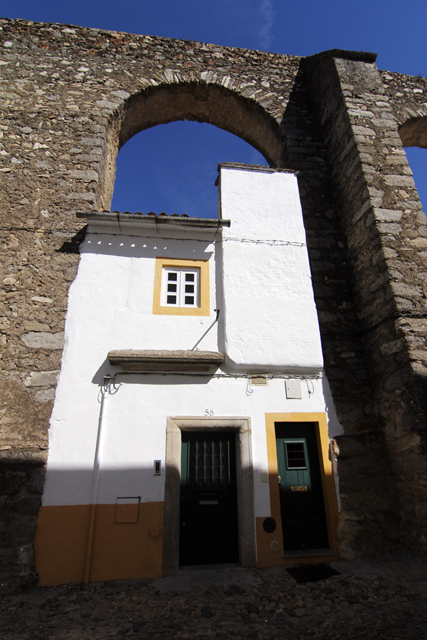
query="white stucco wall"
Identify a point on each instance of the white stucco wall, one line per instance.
(124, 297)
(134, 432)
(270, 323)
(270, 313)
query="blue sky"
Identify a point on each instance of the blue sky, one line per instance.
(183, 155)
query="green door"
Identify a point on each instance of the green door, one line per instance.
(208, 515)
(301, 496)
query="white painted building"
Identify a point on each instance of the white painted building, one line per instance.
(192, 420)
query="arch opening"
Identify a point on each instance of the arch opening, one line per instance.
(192, 101)
(173, 168)
(413, 134)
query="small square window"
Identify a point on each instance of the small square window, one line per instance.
(181, 287)
(183, 283)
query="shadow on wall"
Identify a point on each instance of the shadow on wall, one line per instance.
(153, 378)
(304, 151)
(140, 247)
(22, 476)
(118, 538)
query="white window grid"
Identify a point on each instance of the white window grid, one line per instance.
(181, 287)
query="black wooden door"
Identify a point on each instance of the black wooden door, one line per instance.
(208, 515)
(300, 485)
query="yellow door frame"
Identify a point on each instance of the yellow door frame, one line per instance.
(270, 545)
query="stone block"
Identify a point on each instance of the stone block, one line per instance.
(42, 299)
(388, 348)
(34, 326)
(36, 480)
(46, 395)
(399, 181)
(43, 340)
(85, 176)
(25, 505)
(387, 215)
(349, 447)
(42, 378)
(406, 290)
(403, 444)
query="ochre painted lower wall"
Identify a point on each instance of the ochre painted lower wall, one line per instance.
(120, 550)
(133, 547)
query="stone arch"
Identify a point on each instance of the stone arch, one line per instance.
(193, 101)
(413, 132)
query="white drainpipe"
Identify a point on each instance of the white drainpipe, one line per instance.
(105, 389)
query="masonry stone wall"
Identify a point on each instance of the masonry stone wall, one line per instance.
(72, 96)
(384, 229)
(407, 96)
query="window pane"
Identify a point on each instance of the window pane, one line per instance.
(180, 287)
(295, 455)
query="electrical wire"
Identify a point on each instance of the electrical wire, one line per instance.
(270, 243)
(235, 376)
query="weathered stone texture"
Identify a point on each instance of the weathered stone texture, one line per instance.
(21, 487)
(408, 98)
(72, 96)
(382, 223)
(369, 522)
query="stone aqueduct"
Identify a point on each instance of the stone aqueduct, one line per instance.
(72, 97)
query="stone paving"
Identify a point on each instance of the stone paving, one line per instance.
(372, 601)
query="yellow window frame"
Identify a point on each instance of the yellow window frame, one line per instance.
(203, 266)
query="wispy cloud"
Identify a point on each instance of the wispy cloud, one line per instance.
(265, 33)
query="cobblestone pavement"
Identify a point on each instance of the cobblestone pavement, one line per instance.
(370, 601)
